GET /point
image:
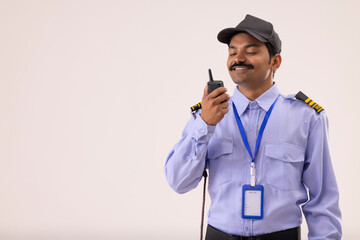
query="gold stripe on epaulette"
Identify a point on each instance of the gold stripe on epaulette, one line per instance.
(314, 105)
(302, 97)
(196, 107)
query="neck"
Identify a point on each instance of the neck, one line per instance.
(252, 92)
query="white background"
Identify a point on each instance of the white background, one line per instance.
(93, 95)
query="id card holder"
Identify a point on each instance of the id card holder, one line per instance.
(252, 202)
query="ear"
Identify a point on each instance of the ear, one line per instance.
(276, 62)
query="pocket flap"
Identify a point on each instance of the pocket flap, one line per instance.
(285, 152)
(220, 146)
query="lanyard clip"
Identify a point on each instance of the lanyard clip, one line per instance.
(252, 175)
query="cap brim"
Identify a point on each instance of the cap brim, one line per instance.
(225, 35)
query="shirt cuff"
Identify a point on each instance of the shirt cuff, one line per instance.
(203, 132)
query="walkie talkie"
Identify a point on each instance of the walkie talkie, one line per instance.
(212, 85)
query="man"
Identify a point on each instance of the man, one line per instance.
(267, 154)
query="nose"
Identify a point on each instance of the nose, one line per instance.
(239, 57)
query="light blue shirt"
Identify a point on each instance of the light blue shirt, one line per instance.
(293, 164)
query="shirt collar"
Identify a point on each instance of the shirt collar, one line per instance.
(265, 100)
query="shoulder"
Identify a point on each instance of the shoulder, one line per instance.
(302, 110)
(300, 100)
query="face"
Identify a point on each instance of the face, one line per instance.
(249, 61)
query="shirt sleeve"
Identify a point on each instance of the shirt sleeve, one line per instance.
(186, 161)
(322, 211)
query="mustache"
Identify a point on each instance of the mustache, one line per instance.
(241, 64)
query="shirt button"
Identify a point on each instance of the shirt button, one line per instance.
(202, 130)
(285, 157)
(252, 127)
(246, 229)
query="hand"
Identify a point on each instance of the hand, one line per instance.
(214, 105)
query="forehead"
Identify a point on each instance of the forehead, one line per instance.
(244, 39)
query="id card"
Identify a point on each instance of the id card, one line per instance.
(252, 202)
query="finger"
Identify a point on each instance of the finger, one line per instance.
(224, 105)
(222, 98)
(217, 92)
(225, 110)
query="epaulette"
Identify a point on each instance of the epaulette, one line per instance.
(195, 107)
(301, 96)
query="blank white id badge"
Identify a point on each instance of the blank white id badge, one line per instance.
(252, 202)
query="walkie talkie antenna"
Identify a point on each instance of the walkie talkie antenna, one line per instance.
(210, 76)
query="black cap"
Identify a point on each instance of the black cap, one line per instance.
(256, 27)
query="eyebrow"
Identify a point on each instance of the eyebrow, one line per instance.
(247, 46)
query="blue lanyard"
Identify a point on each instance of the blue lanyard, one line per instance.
(262, 128)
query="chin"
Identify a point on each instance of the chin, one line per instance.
(238, 80)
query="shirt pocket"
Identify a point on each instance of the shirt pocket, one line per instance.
(220, 161)
(284, 165)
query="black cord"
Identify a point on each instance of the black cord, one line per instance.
(203, 205)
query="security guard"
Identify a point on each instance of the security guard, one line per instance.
(267, 154)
